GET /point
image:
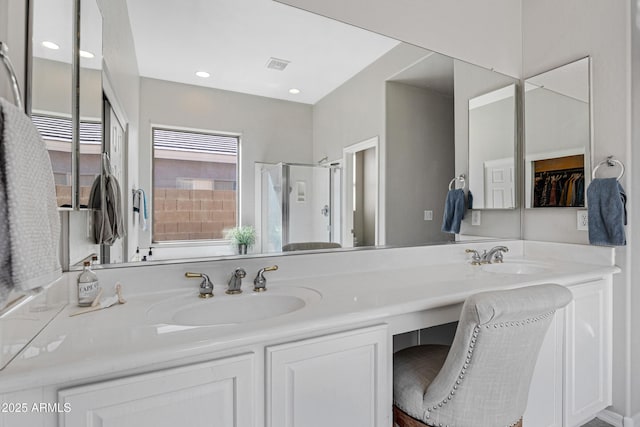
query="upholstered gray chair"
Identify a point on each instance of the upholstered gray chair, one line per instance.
(483, 379)
(309, 246)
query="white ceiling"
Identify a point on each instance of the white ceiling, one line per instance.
(53, 22)
(234, 39)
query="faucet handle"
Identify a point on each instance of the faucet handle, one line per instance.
(476, 258)
(235, 282)
(206, 286)
(260, 282)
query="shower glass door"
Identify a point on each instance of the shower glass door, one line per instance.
(299, 203)
(271, 209)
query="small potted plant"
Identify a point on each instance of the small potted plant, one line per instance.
(244, 237)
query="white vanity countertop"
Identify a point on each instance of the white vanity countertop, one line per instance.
(121, 338)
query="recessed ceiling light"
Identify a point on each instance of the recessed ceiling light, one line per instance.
(50, 45)
(294, 91)
(203, 74)
(85, 54)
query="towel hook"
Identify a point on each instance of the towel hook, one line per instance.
(609, 161)
(461, 178)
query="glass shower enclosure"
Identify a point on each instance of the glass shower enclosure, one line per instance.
(300, 203)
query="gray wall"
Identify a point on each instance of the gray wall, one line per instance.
(556, 33)
(271, 130)
(355, 112)
(420, 160)
(632, 292)
(12, 31)
(555, 122)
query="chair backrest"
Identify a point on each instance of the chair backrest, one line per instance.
(485, 379)
(308, 246)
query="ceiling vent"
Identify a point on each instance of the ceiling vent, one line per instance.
(277, 64)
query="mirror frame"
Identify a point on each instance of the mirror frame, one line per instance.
(517, 167)
(589, 147)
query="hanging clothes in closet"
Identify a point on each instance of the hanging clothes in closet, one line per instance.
(559, 188)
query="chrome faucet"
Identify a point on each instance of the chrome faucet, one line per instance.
(206, 286)
(235, 282)
(260, 282)
(494, 254)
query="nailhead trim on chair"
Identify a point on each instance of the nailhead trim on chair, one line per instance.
(472, 344)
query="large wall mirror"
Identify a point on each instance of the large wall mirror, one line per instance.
(558, 136)
(254, 113)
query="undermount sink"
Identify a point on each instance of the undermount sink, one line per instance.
(222, 309)
(515, 268)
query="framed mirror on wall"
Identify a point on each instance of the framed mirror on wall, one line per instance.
(56, 68)
(296, 96)
(52, 80)
(492, 149)
(558, 136)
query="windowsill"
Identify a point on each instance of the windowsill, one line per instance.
(190, 243)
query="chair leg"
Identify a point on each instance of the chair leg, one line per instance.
(404, 420)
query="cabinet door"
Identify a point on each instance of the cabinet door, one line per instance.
(588, 352)
(544, 406)
(217, 393)
(334, 380)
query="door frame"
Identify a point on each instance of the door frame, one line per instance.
(347, 193)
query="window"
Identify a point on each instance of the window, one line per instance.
(195, 191)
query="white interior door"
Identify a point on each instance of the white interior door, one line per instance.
(499, 189)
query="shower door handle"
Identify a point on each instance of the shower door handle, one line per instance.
(325, 210)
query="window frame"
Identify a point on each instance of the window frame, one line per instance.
(199, 242)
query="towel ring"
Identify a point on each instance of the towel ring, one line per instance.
(457, 178)
(609, 161)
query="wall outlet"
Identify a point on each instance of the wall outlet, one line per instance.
(583, 220)
(428, 215)
(476, 217)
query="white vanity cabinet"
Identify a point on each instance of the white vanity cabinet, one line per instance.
(216, 393)
(334, 380)
(588, 352)
(573, 376)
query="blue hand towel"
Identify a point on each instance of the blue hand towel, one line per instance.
(453, 211)
(607, 212)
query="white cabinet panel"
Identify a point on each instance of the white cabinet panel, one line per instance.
(588, 352)
(335, 380)
(217, 393)
(544, 407)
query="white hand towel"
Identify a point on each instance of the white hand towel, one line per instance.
(29, 219)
